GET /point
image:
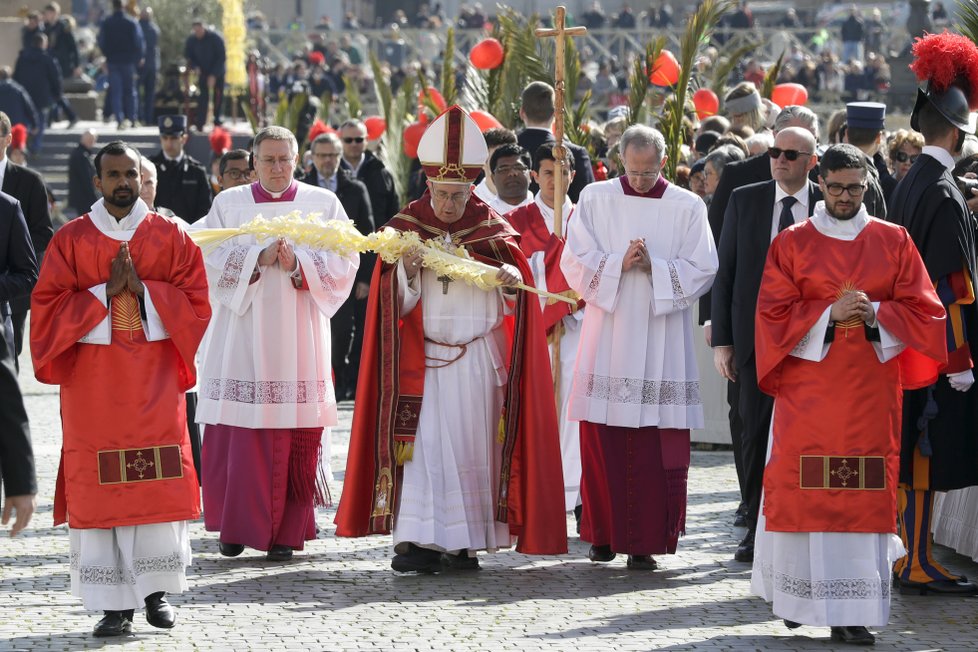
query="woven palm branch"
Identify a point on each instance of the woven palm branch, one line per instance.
(967, 23)
(397, 113)
(337, 236)
(698, 31)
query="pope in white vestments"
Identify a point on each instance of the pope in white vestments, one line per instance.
(266, 390)
(639, 251)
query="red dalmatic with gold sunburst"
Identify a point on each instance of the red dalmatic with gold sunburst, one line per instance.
(837, 422)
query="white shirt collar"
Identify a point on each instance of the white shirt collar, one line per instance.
(839, 229)
(118, 229)
(275, 195)
(502, 207)
(801, 195)
(356, 168)
(548, 213)
(941, 154)
(3, 170)
(174, 160)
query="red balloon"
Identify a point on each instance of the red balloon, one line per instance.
(665, 70)
(706, 102)
(435, 97)
(487, 54)
(789, 95)
(412, 138)
(485, 120)
(376, 126)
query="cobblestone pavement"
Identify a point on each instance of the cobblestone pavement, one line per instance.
(340, 594)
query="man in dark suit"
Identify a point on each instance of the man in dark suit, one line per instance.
(146, 109)
(347, 324)
(183, 184)
(755, 215)
(369, 169)
(81, 174)
(205, 53)
(18, 273)
(537, 112)
(27, 187)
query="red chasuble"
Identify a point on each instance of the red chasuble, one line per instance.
(125, 457)
(835, 454)
(391, 387)
(534, 237)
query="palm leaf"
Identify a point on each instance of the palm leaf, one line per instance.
(354, 104)
(968, 19)
(728, 60)
(771, 77)
(524, 63)
(448, 89)
(698, 31)
(575, 123)
(638, 79)
(385, 98)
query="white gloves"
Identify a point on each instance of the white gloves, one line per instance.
(962, 380)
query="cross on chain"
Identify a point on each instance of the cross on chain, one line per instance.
(445, 280)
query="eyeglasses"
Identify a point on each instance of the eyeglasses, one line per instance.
(642, 175)
(902, 157)
(235, 173)
(455, 198)
(350, 141)
(855, 190)
(790, 154)
(507, 169)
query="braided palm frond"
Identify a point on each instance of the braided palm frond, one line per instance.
(448, 88)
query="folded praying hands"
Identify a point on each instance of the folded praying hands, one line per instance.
(122, 275)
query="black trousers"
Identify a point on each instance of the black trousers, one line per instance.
(755, 410)
(205, 96)
(736, 433)
(359, 323)
(193, 429)
(19, 321)
(16, 456)
(341, 326)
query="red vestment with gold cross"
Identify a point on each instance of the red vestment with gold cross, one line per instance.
(835, 452)
(126, 457)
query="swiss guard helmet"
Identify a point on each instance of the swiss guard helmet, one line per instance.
(948, 65)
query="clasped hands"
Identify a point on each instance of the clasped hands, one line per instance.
(508, 276)
(854, 304)
(637, 257)
(122, 275)
(281, 252)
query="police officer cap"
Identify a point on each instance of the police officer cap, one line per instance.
(866, 115)
(173, 125)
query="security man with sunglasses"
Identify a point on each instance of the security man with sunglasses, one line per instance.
(366, 167)
(755, 214)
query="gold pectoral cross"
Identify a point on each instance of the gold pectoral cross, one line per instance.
(445, 280)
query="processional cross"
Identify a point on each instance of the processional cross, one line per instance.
(559, 32)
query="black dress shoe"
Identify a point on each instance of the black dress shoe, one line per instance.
(230, 549)
(745, 551)
(279, 553)
(858, 635)
(960, 586)
(417, 560)
(578, 513)
(159, 613)
(642, 562)
(601, 553)
(461, 561)
(790, 624)
(740, 520)
(114, 623)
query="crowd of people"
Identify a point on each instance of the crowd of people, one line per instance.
(831, 268)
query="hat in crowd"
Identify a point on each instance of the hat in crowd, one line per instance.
(866, 115)
(948, 65)
(705, 141)
(698, 166)
(452, 148)
(617, 112)
(172, 125)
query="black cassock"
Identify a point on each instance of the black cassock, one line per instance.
(932, 209)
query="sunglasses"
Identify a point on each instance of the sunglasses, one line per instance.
(358, 139)
(903, 157)
(790, 154)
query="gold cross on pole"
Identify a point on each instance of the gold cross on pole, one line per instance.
(558, 32)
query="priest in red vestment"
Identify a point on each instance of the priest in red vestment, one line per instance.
(454, 447)
(118, 312)
(847, 317)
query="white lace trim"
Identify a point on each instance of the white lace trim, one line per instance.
(640, 391)
(679, 301)
(264, 392)
(845, 588)
(319, 261)
(592, 289)
(118, 575)
(802, 345)
(231, 275)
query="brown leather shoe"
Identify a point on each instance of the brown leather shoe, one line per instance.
(601, 553)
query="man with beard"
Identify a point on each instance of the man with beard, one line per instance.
(843, 295)
(117, 315)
